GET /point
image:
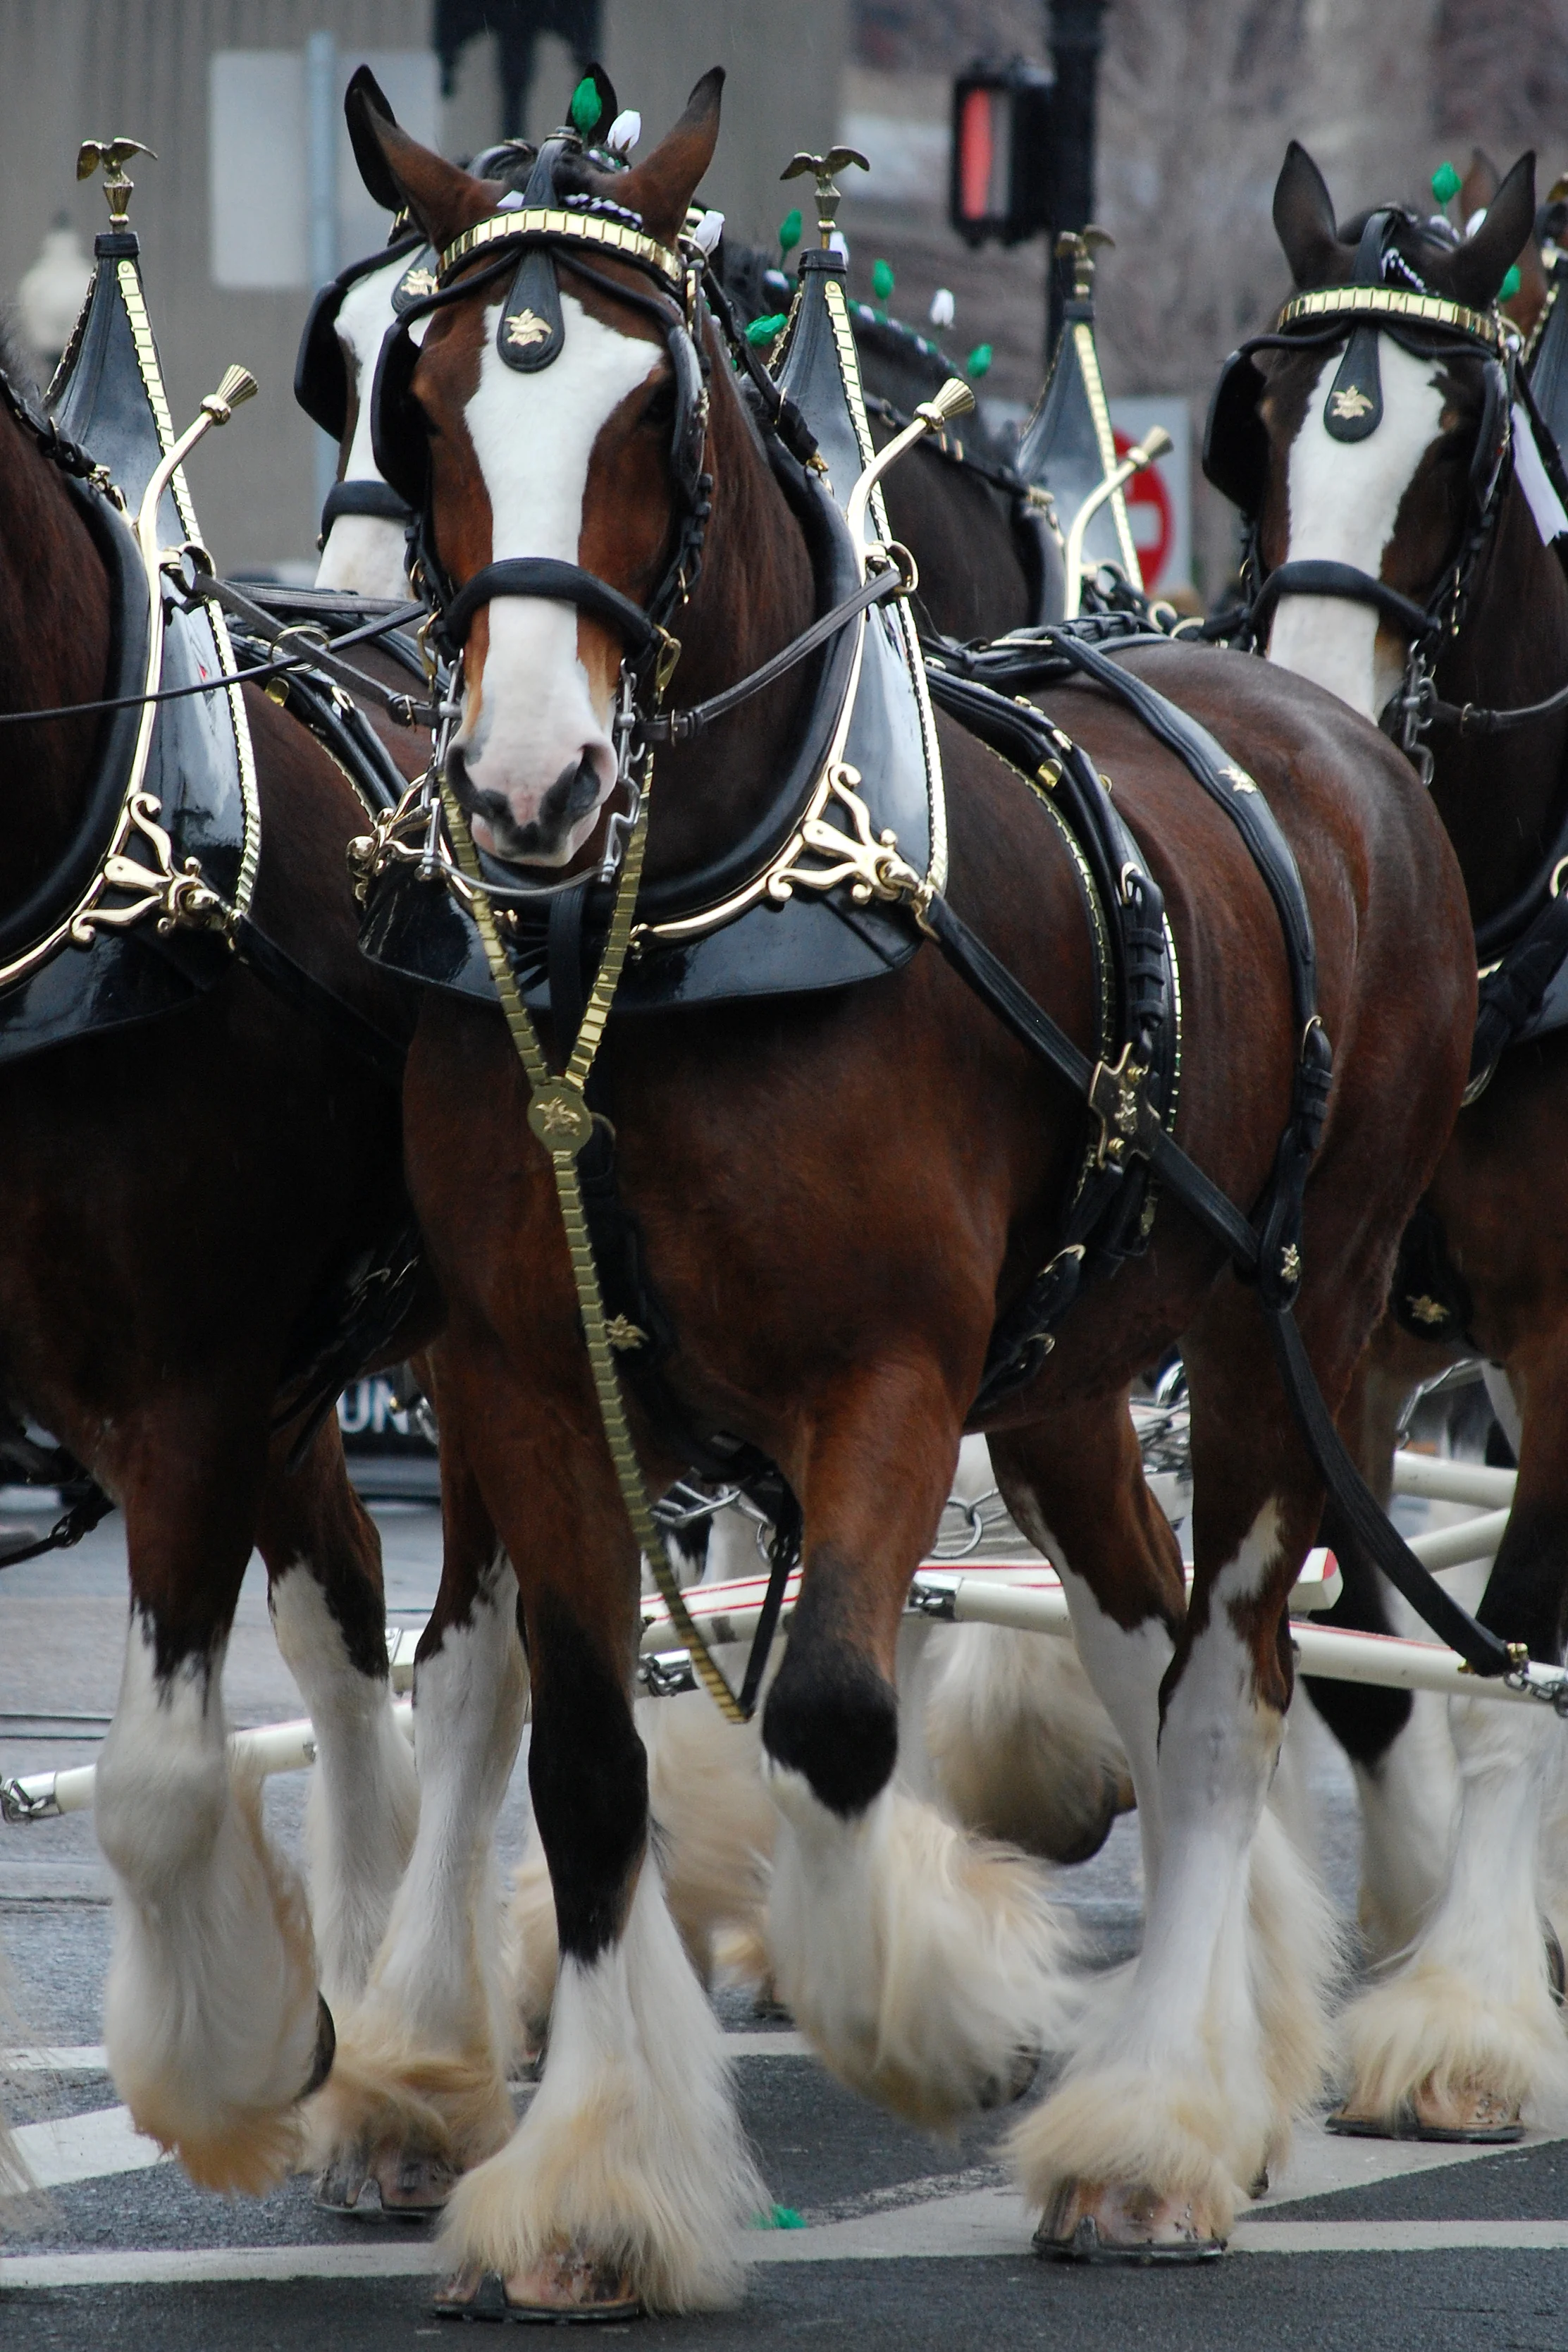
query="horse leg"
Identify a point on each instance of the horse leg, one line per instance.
(212, 2017)
(419, 2091)
(1182, 2089)
(925, 1965)
(1397, 1742)
(629, 2178)
(1019, 1746)
(325, 1593)
(1467, 2029)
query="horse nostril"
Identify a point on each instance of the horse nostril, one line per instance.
(579, 787)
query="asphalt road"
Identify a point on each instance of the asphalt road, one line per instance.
(906, 2242)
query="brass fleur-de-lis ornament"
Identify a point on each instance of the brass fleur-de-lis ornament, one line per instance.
(112, 155)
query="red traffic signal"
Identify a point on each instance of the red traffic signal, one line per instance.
(1000, 186)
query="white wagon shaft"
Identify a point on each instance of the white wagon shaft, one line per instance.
(1027, 1596)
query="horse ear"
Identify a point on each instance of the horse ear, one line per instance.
(1474, 273)
(1304, 221)
(398, 171)
(365, 92)
(663, 185)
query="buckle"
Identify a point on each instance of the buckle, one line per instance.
(664, 669)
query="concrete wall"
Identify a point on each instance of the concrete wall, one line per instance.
(76, 69)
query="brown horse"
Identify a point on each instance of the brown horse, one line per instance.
(177, 1198)
(1430, 505)
(837, 1194)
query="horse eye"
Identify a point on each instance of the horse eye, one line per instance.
(660, 408)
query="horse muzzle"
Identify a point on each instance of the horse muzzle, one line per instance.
(557, 824)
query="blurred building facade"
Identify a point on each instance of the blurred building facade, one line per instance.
(1197, 100)
(71, 69)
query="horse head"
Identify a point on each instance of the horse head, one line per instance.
(1369, 430)
(554, 411)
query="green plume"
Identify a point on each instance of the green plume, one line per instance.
(762, 331)
(1445, 182)
(1511, 284)
(882, 279)
(978, 361)
(587, 105)
(789, 230)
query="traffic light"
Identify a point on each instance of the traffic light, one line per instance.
(1000, 185)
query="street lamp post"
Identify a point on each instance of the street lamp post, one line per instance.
(1076, 32)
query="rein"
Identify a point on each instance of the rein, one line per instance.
(321, 657)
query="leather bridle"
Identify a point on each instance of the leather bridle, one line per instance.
(531, 240)
(1235, 458)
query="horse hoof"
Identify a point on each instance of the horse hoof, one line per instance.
(1468, 2118)
(1556, 1971)
(562, 2289)
(1019, 2078)
(340, 2186)
(1125, 2226)
(326, 2048)
(1260, 2185)
(414, 2188)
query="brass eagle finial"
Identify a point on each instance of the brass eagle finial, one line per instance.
(822, 168)
(113, 154)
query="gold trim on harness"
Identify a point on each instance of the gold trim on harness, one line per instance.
(548, 220)
(1394, 302)
(128, 277)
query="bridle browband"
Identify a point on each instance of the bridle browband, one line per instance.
(1394, 302)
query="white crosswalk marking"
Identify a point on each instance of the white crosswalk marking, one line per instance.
(85, 2148)
(985, 2222)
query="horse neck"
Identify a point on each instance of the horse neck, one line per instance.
(1503, 798)
(755, 593)
(53, 648)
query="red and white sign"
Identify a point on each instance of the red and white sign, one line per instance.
(1159, 499)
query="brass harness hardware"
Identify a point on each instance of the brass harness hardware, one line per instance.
(1129, 1124)
(872, 867)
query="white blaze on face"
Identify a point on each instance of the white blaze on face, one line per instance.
(533, 715)
(364, 554)
(1345, 497)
